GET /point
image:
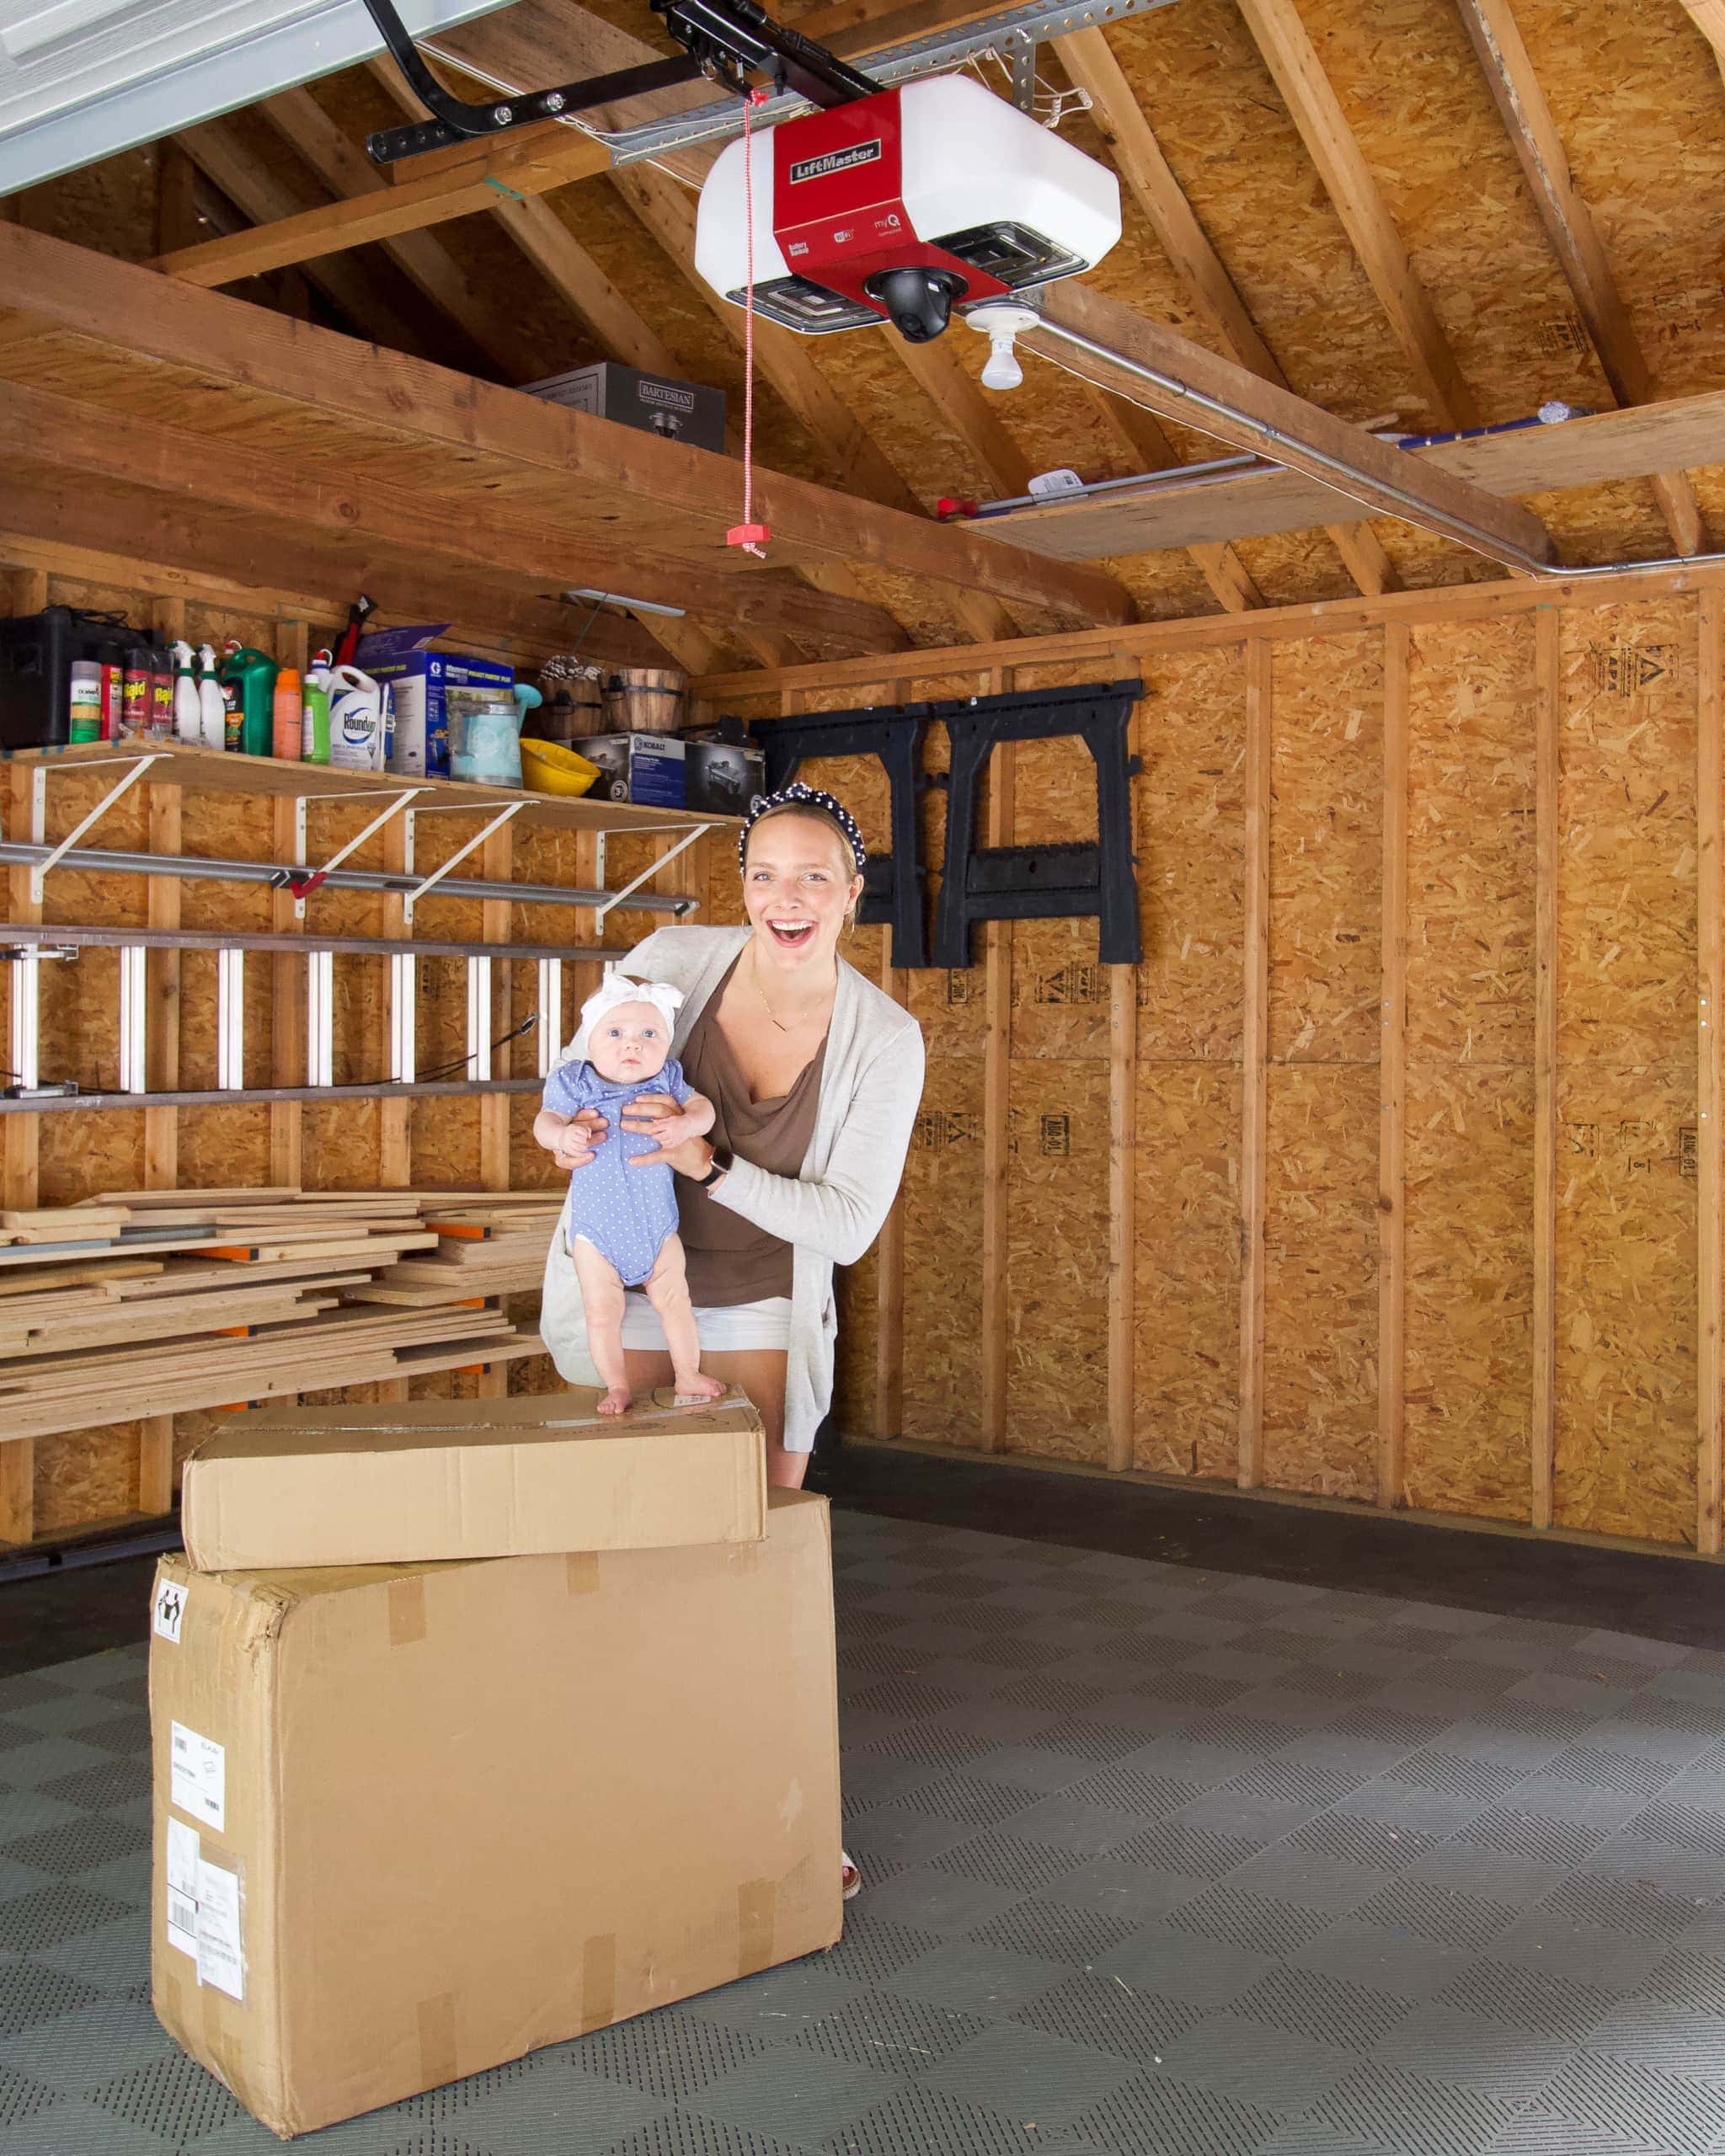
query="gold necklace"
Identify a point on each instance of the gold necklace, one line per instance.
(755, 983)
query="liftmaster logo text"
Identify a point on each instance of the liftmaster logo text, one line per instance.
(863, 154)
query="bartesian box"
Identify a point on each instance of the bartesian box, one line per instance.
(396, 1483)
(412, 1821)
(680, 411)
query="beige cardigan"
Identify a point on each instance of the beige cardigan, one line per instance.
(870, 1086)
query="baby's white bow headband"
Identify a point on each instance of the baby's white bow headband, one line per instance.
(617, 988)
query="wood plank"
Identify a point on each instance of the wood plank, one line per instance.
(1575, 241)
(529, 162)
(345, 170)
(1254, 1052)
(1547, 755)
(1307, 435)
(137, 313)
(156, 1463)
(998, 819)
(1710, 1148)
(1709, 18)
(1123, 1186)
(101, 444)
(1292, 59)
(1393, 1080)
(1636, 443)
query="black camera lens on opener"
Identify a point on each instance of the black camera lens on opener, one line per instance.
(919, 300)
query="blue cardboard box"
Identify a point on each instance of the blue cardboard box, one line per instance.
(416, 679)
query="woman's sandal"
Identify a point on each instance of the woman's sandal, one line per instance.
(849, 1879)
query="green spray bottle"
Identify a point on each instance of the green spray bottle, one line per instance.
(248, 691)
(314, 741)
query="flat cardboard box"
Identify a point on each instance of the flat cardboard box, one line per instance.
(400, 1484)
(413, 1821)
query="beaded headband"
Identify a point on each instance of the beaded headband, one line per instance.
(798, 796)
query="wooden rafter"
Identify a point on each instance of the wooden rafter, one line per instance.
(220, 151)
(1292, 59)
(345, 170)
(1575, 241)
(1307, 435)
(1709, 20)
(1089, 60)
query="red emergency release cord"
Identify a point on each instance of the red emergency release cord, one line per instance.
(751, 536)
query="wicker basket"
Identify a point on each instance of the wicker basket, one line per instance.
(644, 699)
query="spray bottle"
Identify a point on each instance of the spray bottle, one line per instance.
(188, 706)
(212, 712)
(314, 734)
(248, 685)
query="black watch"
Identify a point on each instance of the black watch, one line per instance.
(720, 1165)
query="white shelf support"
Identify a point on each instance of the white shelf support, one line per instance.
(320, 1018)
(303, 886)
(134, 1015)
(39, 810)
(230, 1020)
(550, 1010)
(404, 1017)
(614, 899)
(456, 859)
(26, 1056)
(478, 1017)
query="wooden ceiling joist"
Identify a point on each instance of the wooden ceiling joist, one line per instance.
(1308, 434)
(1517, 461)
(632, 490)
(1282, 38)
(1089, 60)
(1521, 104)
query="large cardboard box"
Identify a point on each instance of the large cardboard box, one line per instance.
(412, 1821)
(470, 1478)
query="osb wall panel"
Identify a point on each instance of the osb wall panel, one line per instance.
(1626, 1245)
(1470, 986)
(942, 1228)
(1057, 1260)
(1319, 1364)
(1186, 1223)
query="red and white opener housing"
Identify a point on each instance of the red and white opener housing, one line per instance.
(940, 178)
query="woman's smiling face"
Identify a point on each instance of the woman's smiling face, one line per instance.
(798, 885)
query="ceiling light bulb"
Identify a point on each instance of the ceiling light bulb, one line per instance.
(1002, 370)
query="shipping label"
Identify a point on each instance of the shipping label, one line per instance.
(198, 1782)
(221, 1951)
(183, 1853)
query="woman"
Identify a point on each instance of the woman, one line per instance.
(816, 1076)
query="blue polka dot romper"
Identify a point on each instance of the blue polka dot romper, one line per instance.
(626, 1212)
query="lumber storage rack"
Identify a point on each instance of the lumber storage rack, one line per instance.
(26, 946)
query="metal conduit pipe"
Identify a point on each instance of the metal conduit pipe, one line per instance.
(194, 868)
(1358, 486)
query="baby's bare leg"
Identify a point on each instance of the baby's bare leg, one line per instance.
(668, 1291)
(602, 1299)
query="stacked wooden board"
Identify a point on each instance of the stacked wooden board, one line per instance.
(152, 1302)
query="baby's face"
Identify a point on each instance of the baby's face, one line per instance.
(630, 1043)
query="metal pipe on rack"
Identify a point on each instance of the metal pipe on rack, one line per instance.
(192, 869)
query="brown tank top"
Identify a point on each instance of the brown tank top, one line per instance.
(730, 1260)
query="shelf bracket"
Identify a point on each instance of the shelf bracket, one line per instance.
(296, 879)
(456, 859)
(614, 899)
(38, 811)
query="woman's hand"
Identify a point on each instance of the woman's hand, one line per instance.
(580, 1138)
(677, 1133)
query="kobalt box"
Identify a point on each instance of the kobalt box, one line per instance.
(642, 767)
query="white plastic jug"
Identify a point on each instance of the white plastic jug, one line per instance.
(355, 720)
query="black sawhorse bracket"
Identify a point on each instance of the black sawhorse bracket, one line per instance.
(1032, 883)
(892, 884)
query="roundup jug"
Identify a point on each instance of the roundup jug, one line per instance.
(355, 720)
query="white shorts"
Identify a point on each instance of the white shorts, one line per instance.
(723, 1330)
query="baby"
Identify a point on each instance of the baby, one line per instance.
(622, 1220)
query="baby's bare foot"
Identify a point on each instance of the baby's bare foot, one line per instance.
(617, 1400)
(693, 1390)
